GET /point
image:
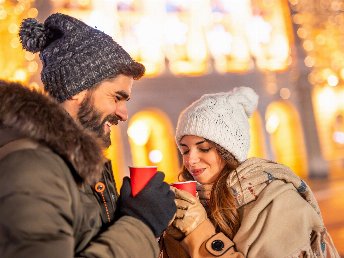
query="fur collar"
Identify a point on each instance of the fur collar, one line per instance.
(40, 118)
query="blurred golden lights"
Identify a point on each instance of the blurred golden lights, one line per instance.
(272, 123)
(191, 36)
(139, 132)
(155, 156)
(14, 63)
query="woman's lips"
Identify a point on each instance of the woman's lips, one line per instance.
(197, 172)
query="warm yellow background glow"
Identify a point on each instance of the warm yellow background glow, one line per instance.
(158, 140)
(286, 136)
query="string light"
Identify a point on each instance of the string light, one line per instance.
(321, 28)
(15, 63)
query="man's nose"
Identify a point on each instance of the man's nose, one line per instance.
(122, 111)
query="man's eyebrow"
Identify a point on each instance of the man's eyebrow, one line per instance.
(123, 95)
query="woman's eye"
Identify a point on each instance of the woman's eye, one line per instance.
(185, 152)
(205, 149)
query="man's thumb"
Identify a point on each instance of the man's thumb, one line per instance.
(126, 187)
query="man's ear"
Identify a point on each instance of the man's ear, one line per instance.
(72, 104)
(79, 97)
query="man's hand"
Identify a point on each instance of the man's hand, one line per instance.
(154, 204)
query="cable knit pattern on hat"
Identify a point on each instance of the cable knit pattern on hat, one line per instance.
(221, 118)
(75, 56)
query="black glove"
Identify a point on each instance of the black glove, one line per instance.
(154, 204)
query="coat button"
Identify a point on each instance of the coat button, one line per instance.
(99, 187)
(217, 245)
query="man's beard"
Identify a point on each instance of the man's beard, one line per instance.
(90, 119)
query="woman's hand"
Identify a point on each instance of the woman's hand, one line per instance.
(190, 214)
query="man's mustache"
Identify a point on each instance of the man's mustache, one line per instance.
(112, 119)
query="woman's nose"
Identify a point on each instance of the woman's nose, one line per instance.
(193, 158)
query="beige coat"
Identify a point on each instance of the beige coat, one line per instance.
(279, 218)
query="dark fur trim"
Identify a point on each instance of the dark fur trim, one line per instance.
(39, 117)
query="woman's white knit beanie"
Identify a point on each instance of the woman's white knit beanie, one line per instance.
(221, 118)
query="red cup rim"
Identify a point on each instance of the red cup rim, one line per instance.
(143, 166)
(185, 182)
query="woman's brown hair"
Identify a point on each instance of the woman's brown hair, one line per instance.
(223, 212)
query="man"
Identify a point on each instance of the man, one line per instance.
(91, 76)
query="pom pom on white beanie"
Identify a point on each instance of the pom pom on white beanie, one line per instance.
(221, 118)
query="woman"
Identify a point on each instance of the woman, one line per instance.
(252, 207)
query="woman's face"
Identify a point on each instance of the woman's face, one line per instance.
(201, 158)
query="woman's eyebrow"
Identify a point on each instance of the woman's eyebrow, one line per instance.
(197, 143)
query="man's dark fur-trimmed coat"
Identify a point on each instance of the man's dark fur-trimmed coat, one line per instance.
(45, 162)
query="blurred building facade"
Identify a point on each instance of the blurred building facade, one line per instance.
(290, 52)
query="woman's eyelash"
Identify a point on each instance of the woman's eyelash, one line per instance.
(201, 149)
(185, 152)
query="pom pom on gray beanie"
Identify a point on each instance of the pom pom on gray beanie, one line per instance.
(74, 55)
(221, 118)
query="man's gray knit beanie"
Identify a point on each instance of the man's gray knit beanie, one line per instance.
(75, 56)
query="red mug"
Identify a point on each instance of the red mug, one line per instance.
(189, 186)
(140, 176)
